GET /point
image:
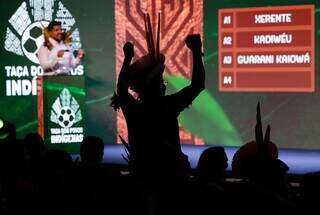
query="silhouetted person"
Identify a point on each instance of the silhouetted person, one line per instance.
(56, 184)
(310, 190)
(153, 130)
(92, 150)
(91, 176)
(265, 183)
(98, 184)
(15, 183)
(208, 190)
(247, 152)
(34, 145)
(35, 149)
(155, 154)
(212, 165)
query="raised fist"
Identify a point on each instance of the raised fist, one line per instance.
(128, 50)
(193, 42)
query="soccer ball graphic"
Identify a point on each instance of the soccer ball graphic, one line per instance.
(32, 39)
(66, 117)
(65, 110)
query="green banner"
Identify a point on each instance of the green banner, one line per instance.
(63, 112)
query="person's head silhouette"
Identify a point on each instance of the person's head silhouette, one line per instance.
(35, 145)
(145, 74)
(92, 150)
(212, 165)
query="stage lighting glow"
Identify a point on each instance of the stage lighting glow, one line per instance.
(1, 123)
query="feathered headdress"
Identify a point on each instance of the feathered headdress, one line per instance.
(146, 68)
(149, 66)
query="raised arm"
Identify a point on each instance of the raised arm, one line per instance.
(122, 98)
(193, 42)
(122, 87)
(184, 97)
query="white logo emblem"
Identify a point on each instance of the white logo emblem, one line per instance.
(65, 110)
(24, 36)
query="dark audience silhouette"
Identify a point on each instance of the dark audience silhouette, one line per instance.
(212, 165)
(92, 150)
(36, 179)
(264, 176)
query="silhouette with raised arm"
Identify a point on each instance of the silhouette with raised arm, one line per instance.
(151, 116)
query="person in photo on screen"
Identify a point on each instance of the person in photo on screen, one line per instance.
(154, 148)
(56, 55)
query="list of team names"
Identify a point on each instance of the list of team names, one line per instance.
(267, 49)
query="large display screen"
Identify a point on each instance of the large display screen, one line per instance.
(267, 49)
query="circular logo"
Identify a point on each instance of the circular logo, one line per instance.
(32, 39)
(66, 117)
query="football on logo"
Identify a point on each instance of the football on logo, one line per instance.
(66, 117)
(65, 110)
(32, 39)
